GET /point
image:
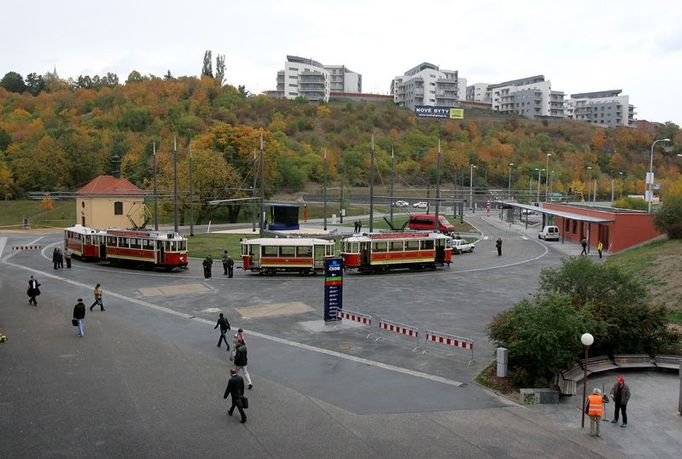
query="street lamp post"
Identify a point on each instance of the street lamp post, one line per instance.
(551, 180)
(650, 175)
(510, 170)
(547, 179)
(587, 341)
(621, 183)
(540, 171)
(589, 183)
(471, 187)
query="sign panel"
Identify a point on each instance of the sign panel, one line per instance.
(333, 287)
(427, 111)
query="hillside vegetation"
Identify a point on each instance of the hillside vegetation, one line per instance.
(66, 135)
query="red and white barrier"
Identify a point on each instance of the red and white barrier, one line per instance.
(453, 341)
(364, 319)
(25, 247)
(396, 327)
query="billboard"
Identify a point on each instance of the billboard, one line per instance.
(427, 111)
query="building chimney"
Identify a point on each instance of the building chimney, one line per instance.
(116, 166)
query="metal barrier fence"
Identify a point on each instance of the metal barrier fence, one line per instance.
(25, 247)
(449, 340)
(401, 329)
(364, 319)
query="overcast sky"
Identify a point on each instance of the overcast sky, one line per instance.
(579, 46)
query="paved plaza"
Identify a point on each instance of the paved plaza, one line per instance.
(147, 379)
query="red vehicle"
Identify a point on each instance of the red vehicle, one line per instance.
(425, 222)
(384, 251)
(270, 255)
(155, 249)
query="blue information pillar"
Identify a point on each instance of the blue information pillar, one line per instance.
(333, 287)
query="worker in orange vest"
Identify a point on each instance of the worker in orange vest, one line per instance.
(595, 409)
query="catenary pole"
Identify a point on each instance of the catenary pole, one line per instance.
(371, 188)
(175, 184)
(324, 205)
(156, 200)
(191, 195)
(262, 189)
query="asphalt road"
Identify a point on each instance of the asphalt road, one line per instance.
(147, 378)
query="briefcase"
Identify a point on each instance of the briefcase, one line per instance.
(245, 402)
(74, 322)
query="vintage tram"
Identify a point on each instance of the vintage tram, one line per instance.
(154, 249)
(272, 255)
(377, 252)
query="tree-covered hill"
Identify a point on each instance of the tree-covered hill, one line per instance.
(60, 136)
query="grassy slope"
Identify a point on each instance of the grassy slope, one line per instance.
(658, 264)
(62, 214)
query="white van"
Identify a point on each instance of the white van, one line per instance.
(549, 233)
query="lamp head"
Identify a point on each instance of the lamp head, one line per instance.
(587, 339)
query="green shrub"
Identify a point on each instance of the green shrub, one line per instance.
(631, 203)
(668, 217)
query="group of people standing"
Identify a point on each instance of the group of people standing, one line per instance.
(238, 373)
(228, 265)
(59, 256)
(594, 405)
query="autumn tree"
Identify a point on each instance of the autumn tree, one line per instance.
(35, 84)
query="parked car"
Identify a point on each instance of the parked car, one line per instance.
(460, 246)
(401, 204)
(549, 233)
(427, 222)
(420, 205)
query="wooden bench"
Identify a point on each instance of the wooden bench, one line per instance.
(668, 361)
(599, 364)
(634, 361)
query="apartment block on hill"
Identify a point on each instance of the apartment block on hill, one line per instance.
(427, 84)
(530, 97)
(603, 108)
(314, 81)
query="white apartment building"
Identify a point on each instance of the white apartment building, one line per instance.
(530, 97)
(479, 92)
(603, 108)
(314, 81)
(461, 88)
(426, 84)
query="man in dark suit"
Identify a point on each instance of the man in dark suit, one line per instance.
(33, 291)
(235, 387)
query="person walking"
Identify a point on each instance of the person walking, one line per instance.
(240, 361)
(33, 291)
(583, 243)
(79, 315)
(55, 259)
(595, 409)
(207, 263)
(67, 257)
(239, 336)
(498, 244)
(228, 265)
(600, 248)
(235, 388)
(620, 393)
(98, 298)
(224, 327)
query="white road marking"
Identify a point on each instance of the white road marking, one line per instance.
(3, 241)
(524, 238)
(276, 339)
(485, 238)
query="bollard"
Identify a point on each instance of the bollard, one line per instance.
(502, 361)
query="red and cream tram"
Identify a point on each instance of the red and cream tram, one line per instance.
(150, 248)
(384, 251)
(272, 255)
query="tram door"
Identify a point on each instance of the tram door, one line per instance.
(161, 252)
(440, 250)
(102, 241)
(364, 253)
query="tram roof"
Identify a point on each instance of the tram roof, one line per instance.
(283, 241)
(365, 237)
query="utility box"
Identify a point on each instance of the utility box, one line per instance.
(502, 362)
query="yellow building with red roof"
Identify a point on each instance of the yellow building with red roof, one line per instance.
(110, 202)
